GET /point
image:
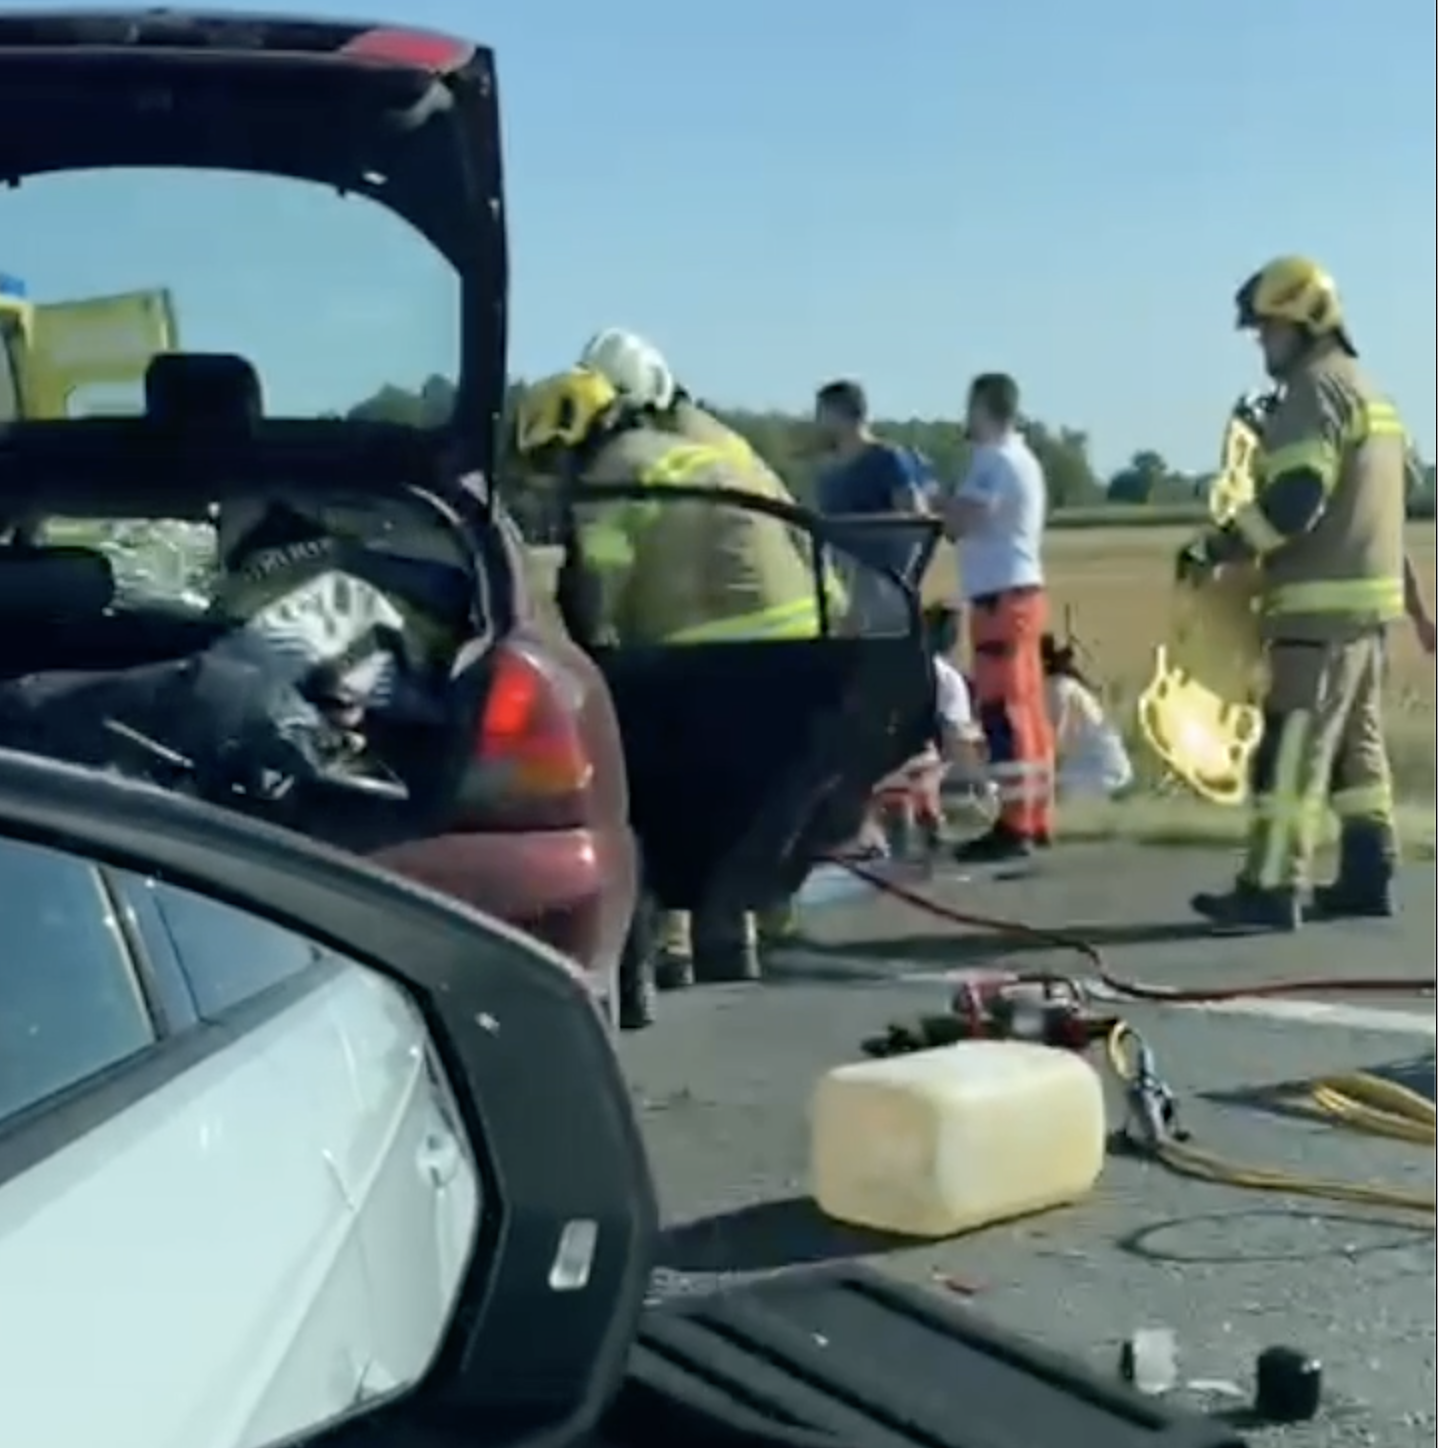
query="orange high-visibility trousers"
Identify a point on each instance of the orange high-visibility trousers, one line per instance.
(1006, 631)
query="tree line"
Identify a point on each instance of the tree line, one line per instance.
(790, 446)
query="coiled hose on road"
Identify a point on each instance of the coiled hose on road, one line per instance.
(1357, 1101)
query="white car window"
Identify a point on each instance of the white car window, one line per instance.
(227, 956)
(70, 1003)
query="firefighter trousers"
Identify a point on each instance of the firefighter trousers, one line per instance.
(1006, 632)
(686, 936)
(1323, 749)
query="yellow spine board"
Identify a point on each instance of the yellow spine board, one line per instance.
(1199, 713)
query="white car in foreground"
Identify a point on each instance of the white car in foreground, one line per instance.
(222, 1148)
(289, 1145)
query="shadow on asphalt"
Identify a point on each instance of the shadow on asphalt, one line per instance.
(1249, 1237)
(768, 1237)
(772, 1236)
(1417, 1075)
(967, 947)
(1291, 1099)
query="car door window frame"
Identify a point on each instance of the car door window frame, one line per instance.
(163, 938)
(826, 537)
(29, 1126)
(180, 1039)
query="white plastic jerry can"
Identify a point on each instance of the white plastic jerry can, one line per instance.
(946, 1141)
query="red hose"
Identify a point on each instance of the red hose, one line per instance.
(1134, 990)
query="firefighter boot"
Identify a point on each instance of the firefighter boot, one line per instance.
(1363, 889)
(726, 947)
(1250, 910)
(674, 959)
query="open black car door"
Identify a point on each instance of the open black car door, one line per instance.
(748, 761)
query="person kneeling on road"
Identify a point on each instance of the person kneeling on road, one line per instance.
(912, 800)
(684, 573)
(1092, 761)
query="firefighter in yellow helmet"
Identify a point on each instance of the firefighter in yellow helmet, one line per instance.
(1326, 528)
(679, 573)
(643, 378)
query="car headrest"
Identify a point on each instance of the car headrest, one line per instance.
(189, 390)
(60, 582)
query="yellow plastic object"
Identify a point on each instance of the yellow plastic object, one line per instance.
(1233, 487)
(56, 351)
(1199, 713)
(947, 1141)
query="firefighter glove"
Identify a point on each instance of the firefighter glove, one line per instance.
(1196, 561)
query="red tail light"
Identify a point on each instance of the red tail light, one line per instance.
(530, 746)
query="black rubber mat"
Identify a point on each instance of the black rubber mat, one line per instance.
(847, 1358)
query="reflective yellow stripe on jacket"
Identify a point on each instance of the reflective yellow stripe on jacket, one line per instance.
(609, 545)
(796, 619)
(689, 459)
(1349, 595)
(609, 538)
(1383, 596)
(1325, 459)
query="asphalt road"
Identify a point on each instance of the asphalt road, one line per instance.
(722, 1084)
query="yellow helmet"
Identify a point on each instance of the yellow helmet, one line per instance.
(1296, 290)
(564, 410)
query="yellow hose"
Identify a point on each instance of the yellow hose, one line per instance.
(1358, 1101)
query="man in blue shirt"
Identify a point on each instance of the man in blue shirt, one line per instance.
(866, 477)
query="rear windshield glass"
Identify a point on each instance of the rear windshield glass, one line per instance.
(337, 303)
(155, 560)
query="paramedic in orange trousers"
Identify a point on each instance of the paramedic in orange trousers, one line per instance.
(996, 519)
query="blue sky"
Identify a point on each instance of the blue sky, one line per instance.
(902, 190)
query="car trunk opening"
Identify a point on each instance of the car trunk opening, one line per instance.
(312, 103)
(163, 380)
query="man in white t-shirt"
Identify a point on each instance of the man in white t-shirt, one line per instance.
(996, 519)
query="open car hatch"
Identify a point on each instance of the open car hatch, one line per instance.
(407, 119)
(749, 761)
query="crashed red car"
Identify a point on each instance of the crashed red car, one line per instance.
(323, 205)
(515, 795)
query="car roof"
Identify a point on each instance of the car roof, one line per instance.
(358, 42)
(363, 109)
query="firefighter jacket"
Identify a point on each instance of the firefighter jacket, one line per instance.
(1327, 519)
(689, 571)
(698, 425)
